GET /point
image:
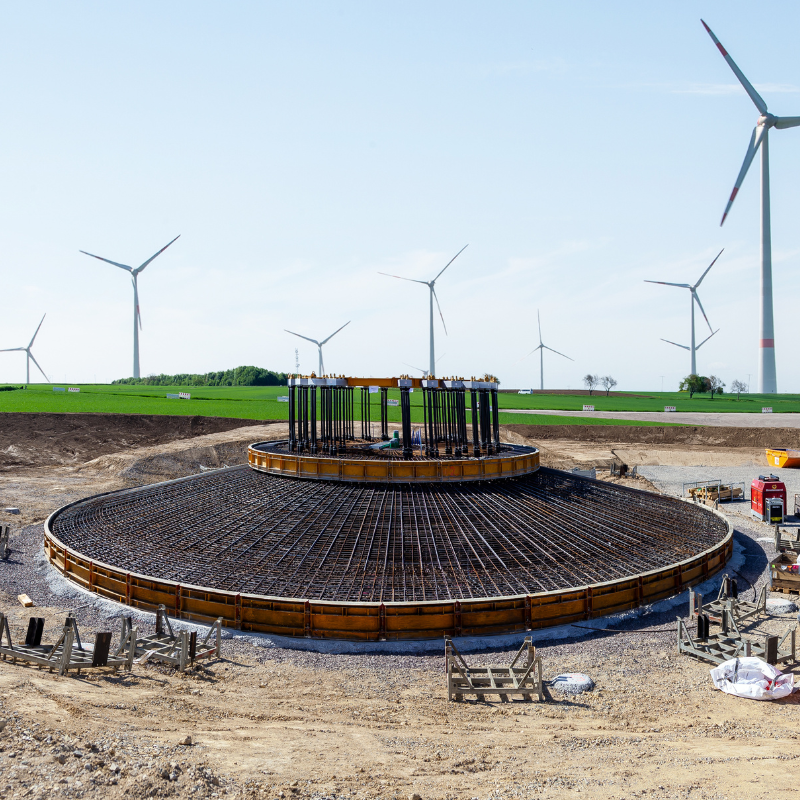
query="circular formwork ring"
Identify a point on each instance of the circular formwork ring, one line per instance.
(390, 621)
(271, 457)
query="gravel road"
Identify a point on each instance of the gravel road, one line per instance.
(727, 420)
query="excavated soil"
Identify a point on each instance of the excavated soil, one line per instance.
(568, 446)
(46, 439)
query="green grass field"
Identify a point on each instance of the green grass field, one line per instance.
(239, 402)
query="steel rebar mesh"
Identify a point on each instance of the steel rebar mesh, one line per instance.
(245, 531)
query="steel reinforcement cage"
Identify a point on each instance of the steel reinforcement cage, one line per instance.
(387, 621)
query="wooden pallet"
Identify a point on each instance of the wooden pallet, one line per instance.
(503, 681)
(784, 589)
(725, 493)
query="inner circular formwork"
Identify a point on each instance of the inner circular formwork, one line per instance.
(241, 531)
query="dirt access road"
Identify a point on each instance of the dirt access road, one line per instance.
(273, 722)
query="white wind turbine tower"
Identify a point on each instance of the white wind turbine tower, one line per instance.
(541, 348)
(319, 345)
(27, 351)
(137, 317)
(767, 377)
(693, 298)
(430, 285)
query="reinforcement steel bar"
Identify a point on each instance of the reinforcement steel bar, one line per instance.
(244, 531)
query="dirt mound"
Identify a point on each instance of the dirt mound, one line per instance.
(178, 459)
(38, 439)
(694, 436)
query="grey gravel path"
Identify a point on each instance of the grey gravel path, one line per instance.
(727, 420)
(670, 480)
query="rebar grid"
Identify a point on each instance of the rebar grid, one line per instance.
(244, 531)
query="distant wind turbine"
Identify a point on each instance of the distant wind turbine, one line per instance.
(430, 285)
(767, 376)
(424, 372)
(541, 348)
(27, 351)
(684, 347)
(694, 298)
(137, 317)
(319, 344)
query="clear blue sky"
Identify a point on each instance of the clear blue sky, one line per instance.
(299, 148)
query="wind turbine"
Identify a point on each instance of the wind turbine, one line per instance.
(319, 345)
(684, 347)
(694, 298)
(27, 351)
(541, 348)
(424, 372)
(767, 377)
(430, 285)
(137, 317)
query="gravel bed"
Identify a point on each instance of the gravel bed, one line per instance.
(670, 480)
(651, 628)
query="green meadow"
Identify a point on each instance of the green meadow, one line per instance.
(654, 401)
(253, 402)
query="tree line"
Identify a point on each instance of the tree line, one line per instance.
(239, 376)
(700, 384)
(593, 381)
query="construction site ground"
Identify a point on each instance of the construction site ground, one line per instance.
(272, 722)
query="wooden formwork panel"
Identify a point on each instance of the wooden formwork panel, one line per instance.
(419, 623)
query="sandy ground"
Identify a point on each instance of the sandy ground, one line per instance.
(275, 723)
(732, 419)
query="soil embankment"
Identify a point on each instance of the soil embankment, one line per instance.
(32, 439)
(693, 436)
(567, 446)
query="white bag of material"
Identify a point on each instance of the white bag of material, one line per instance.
(753, 678)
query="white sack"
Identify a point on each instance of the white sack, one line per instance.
(751, 677)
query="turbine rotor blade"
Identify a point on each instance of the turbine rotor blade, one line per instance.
(14, 350)
(664, 283)
(695, 296)
(697, 347)
(755, 142)
(451, 261)
(709, 267)
(787, 122)
(303, 337)
(748, 87)
(556, 352)
(683, 346)
(440, 309)
(30, 355)
(37, 331)
(401, 278)
(532, 352)
(334, 333)
(114, 263)
(141, 267)
(418, 369)
(539, 320)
